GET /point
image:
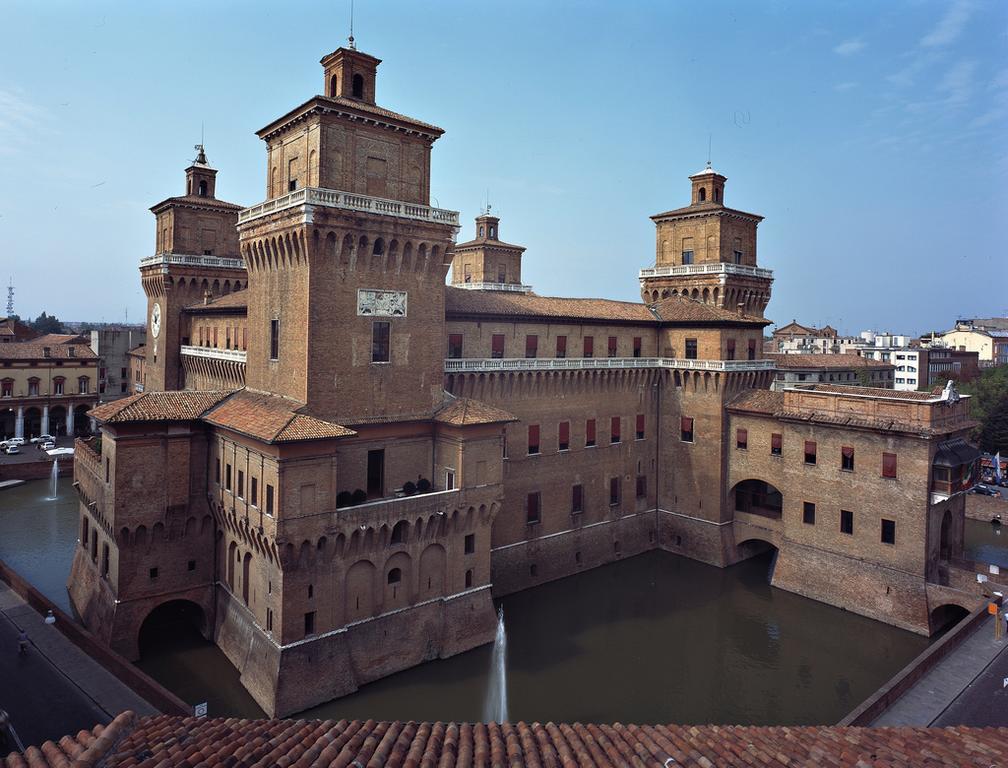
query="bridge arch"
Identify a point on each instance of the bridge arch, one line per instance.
(171, 624)
(946, 616)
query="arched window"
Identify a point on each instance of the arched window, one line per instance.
(82, 385)
(717, 195)
(702, 194)
(202, 188)
(332, 86)
(394, 576)
(379, 247)
(493, 232)
(481, 230)
(358, 87)
(58, 385)
(399, 532)
(33, 387)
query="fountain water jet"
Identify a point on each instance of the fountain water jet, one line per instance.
(495, 706)
(53, 478)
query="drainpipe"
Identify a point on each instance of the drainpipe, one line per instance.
(658, 417)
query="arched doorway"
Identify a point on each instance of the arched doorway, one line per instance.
(82, 424)
(757, 497)
(171, 626)
(57, 420)
(944, 617)
(32, 422)
(8, 423)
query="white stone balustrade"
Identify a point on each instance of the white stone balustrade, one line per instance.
(709, 268)
(462, 365)
(235, 355)
(332, 198)
(509, 287)
(191, 260)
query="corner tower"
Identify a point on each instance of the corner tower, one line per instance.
(346, 258)
(707, 251)
(486, 262)
(195, 252)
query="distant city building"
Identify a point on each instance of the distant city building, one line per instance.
(137, 358)
(987, 337)
(112, 345)
(795, 338)
(843, 369)
(13, 330)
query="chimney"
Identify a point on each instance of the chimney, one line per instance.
(207, 296)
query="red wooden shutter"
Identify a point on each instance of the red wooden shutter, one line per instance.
(533, 438)
(686, 423)
(564, 433)
(640, 426)
(589, 346)
(888, 465)
(590, 432)
(497, 345)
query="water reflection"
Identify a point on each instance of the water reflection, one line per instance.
(986, 542)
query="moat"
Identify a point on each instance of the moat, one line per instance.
(655, 638)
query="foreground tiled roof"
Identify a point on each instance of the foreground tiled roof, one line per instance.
(843, 361)
(682, 309)
(158, 406)
(233, 300)
(199, 200)
(175, 741)
(33, 350)
(271, 418)
(459, 301)
(758, 401)
(708, 207)
(875, 392)
(462, 412)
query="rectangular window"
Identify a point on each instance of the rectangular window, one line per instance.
(254, 491)
(563, 436)
(889, 465)
(216, 472)
(269, 499)
(470, 543)
(467, 272)
(532, 508)
(497, 346)
(533, 439)
(454, 346)
(227, 337)
(730, 349)
(612, 348)
(153, 573)
(274, 339)
(227, 477)
(577, 499)
(738, 257)
(589, 346)
(501, 273)
(686, 429)
(847, 458)
(687, 257)
(810, 452)
(531, 345)
(637, 346)
(241, 484)
(752, 349)
(742, 439)
(639, 432)
(808, 513)
(691, 349)
(846, 522)
(641, 486)
(776, 444)
(376, 473)
(589, 433)
(888, 531)
(614, 491)
(380, 331)
(614, 429)
(309, 623)
(561, 347)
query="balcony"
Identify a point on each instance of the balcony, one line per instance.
(347, 201)
(191, 260)
(711, 268)
(211, 353)
(464, 365)
(510, 287)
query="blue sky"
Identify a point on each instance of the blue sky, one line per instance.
(871, 135)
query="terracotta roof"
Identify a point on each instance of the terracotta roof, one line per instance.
(200, 200)
(158, 406)
(233, 300)
(321, 103)
(682, 309)
(462, 412)
(709, 207)
(460, 301)
(32, 350)
(486, 242)
(166, 740)
(139, 349)
(842, 361)
(16, 330)
(272, 419)
(797, 329)
(875, 392)
(758, 401)
(61, 338)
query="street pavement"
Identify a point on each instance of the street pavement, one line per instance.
(54, 689)
(30, 452)
(985, 700)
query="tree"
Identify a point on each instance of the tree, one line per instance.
(994, 431)
(989, 406)
(47, 324)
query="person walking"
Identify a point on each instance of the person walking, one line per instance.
(50, 619)
(22, 641)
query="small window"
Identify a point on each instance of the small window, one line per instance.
(274, 339)
(311, 591)
(637, 346)
(241, 484)
(497, 346)
(470, 543)
(691, 349)
(394, 576)
(751, 355)
(469, 578)
(614, 430)
(380, 331)
(254, 491)
(454, 346)
(776, 444)
(563, 436)
(846, 522)
(227, 477)
(577, 499)
(589, 433)
(614, 491)
(309, 623)
(532, 508)
(847, 458)
(531, 345)
(561, 346)
(889, 465)
(686, 429)
(641, 486)
(153, 573)
(729, 349)
(810, 452)
(888, 531)
(808, 513)
(533, 439)
(482, 230)
(269, 499)
(358, 87)
(702, 194)
(449, 480)
(292, 185)
(589, 346)
(191, 565)
(639, 431)
(216, 472)
(738, 257)
(742, 439)
(611, 350)
(202, 189)
(687, 257)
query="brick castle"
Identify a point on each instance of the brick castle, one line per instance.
(333, 461)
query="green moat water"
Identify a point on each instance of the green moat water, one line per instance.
(654, 638)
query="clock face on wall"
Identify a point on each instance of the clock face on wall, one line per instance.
(155, 320)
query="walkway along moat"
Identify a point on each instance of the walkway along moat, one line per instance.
(655, 638)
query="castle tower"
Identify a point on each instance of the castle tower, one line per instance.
(347, 260)
(707, 251)
(487, 262)
(196, 251)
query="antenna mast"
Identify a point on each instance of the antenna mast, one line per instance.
(350, 39)
(10, 298)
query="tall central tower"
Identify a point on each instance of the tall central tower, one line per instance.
(346, 259)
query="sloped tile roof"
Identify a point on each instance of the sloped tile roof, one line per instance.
(158, 406)
(876, 392)
(682, 309)
(271, 418)
(708, 207)
(166, 740)
(758, 401)
(33, 350)
(845, 361)
(199, 200)
(233, 300)
(459, 301)
(463, 411)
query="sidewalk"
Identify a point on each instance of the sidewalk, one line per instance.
(949, 683)
(55, 688)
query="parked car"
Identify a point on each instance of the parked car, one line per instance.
(984, 490)
(13, 441)
(46, 445)
(44, 439)
(11, 448)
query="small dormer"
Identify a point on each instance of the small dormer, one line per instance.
(350, 74)
(708, 187)
(201, 179)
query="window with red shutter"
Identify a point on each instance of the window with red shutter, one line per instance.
(589, 346)
(640, 426)
(686, 429)
(563, 436)
(454, 346)
(810, 452)
(847, 458)
(614, 429)
(889, 465)
(531, 345)
(637, 345)
(561, 347)
(589, 433)
(776, 444)
(497, 346)
(742, 439)
(533, 439)
(612, 346)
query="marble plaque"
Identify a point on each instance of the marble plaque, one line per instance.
(376, 303)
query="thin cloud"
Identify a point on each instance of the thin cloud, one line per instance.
(850, 47)
(950, 27)
(847, 86)
(958, 83)
(19, 118)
